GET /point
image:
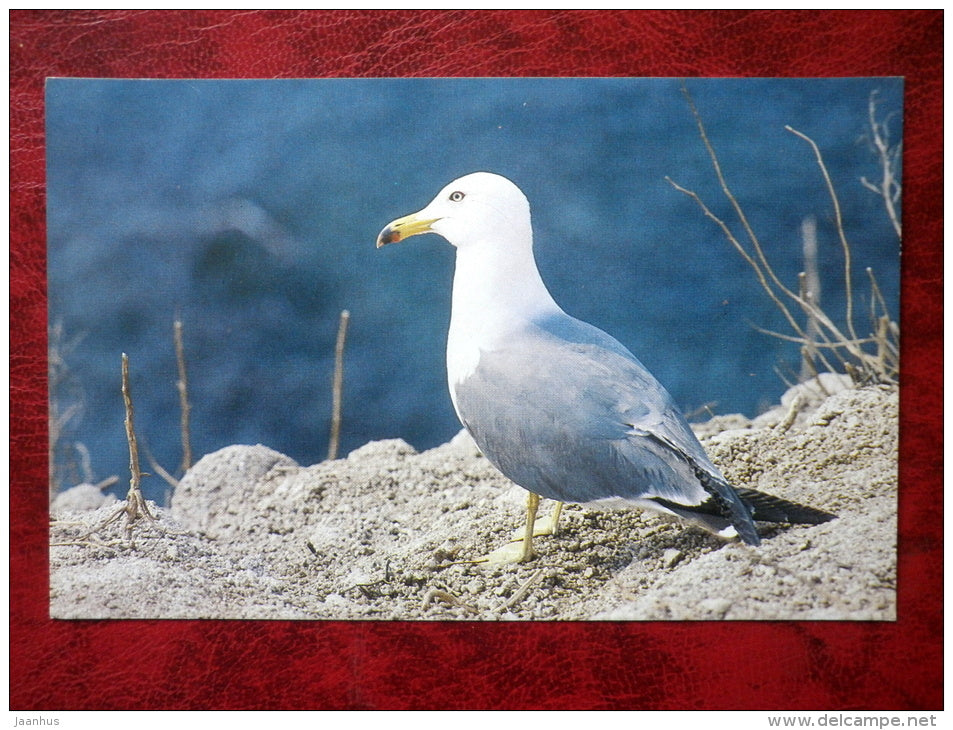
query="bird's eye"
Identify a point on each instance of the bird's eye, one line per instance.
(456, 196)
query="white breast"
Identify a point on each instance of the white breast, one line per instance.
(497, 291)
(463, 356)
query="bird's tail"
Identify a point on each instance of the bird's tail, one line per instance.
(734, 510)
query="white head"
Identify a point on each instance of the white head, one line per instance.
(478, 207)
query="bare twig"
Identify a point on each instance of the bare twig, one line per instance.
(86, 541)
(106, 483)
(810, 281)
(848, 287)
(521, 592)
(768, 270)
(876, 295)
(136, 475)
(828, 345)
(85, 462)
(135, 507)
(821, 333)
(182, 384)
(59, 380)
(762, 277)
(813, 312)
(889, 187)
(703, 409)
(337, 386)
(436, 594)
(791, 415)
(811, 366)
(158, 469)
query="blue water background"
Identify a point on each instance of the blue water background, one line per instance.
(251, 208)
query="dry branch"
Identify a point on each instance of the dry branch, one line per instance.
(845, 247)
(182, 384)
(135, 506)
(337, 386)
(821, 333)
(889, 187)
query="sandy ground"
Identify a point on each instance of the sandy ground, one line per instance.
(389, 533)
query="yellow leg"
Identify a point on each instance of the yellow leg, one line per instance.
(532, 507)
(547, 525)
(521, 549)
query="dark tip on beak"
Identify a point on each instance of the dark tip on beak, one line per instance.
(388, 235)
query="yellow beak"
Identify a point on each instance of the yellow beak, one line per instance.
(409, 225)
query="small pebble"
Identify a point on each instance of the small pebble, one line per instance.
(335, 599)
(504, 589)
(718, 606)
(475, 587)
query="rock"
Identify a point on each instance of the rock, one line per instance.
(670, 557)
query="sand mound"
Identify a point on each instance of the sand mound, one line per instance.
(386, 533)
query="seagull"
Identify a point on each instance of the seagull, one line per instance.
(557, 405)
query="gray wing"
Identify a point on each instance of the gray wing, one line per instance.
(565, 411)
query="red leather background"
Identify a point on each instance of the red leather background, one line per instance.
(284, 665)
